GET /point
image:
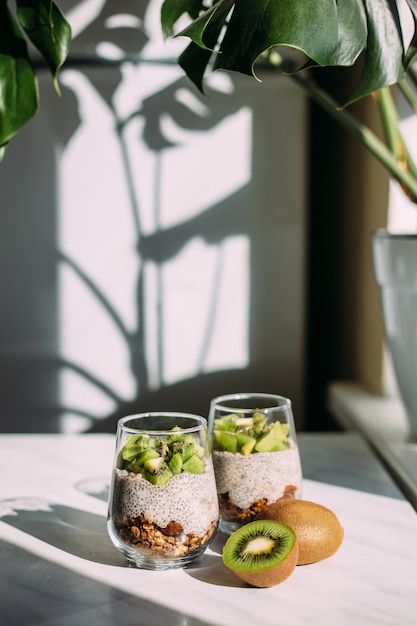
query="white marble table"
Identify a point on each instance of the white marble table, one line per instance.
(58, 567)
(382, 421)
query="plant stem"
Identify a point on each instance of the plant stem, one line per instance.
(409, 94)
(406, 178)
(363, 133)
(389, 120)
(389, 117)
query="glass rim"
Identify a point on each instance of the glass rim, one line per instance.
(122, 422)
(281, 402)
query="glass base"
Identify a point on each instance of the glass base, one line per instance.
(145, 558)
(228, 527)
(143, 562)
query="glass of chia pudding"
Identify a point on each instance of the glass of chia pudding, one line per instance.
(163, 506)
(255, 455)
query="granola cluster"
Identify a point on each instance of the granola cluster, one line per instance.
(170, 541)
(232, 513)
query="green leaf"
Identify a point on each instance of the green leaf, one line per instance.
(172, 10)
(328, 32)
(352, 33)
(383, 64)
(18, 84)
(194, 61)
(412, 48)
(211, 21)
(196, 57)
(48, 30)
(3, 150)
(254, 27)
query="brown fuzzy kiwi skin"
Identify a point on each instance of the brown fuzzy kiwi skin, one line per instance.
(274, 575)
(318, 529)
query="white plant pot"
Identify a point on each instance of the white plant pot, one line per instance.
(395, 263)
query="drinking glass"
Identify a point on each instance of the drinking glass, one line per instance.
(163, 509)
(255, 454)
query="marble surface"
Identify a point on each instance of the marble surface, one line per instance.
(59, 568)
(382, 421)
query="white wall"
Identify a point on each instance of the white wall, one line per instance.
(153, 247)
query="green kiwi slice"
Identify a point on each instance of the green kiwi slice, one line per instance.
(194, 465)
(160, 458)
(226, 440)
(156, 471)
(262, 554)
(175, 463)
(247, 435)
(141, 458)
(273, 440)
(184, 447)
(245, 443)
(136, 444)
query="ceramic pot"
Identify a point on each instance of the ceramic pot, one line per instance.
(395, 263)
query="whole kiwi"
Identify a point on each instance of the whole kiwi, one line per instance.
(318, 529)
(262, 553)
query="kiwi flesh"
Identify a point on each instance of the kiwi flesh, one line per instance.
(318, 529)
(134, 445)
(274, 440)
(247, 435)
(176, 463)
(184, 447)
(245, 443)
(158, 459)
(138, 461)
(156, 471)
(194, 465)
(262, 553)
(226, 440)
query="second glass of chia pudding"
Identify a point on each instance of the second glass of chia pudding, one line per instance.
(255, 455)
(163, 508)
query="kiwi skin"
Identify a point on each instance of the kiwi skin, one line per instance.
(267, 575)
(318, 529)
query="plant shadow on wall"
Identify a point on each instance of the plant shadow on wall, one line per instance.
(157, 249)
(220, 283)
(155, 310)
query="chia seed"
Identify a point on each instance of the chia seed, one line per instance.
(261, 475)
(186, 499)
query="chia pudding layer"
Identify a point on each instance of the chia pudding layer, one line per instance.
(261, 477)
(186, 499)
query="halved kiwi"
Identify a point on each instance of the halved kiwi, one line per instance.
(318, 529)
(262, 553)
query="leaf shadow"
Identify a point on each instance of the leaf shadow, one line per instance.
(72, 530)
(210, 567)
(96, 487)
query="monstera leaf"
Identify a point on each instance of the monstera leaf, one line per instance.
(42, 22)
(235, 33)
(412, 49)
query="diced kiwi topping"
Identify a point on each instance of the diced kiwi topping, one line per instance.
(159, 458)
(247, 435)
